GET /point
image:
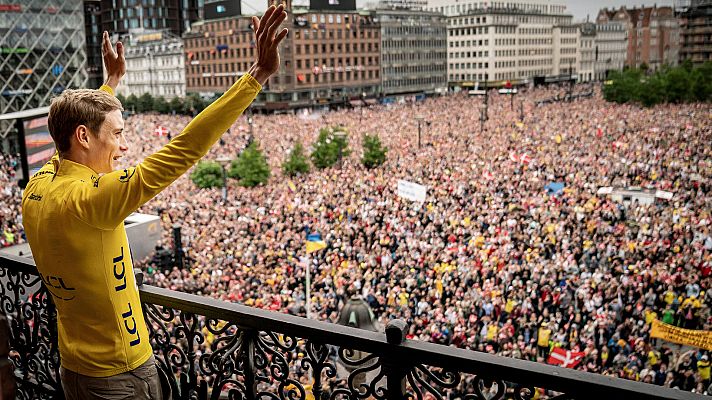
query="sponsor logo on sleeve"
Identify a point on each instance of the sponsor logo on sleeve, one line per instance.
(126, 176)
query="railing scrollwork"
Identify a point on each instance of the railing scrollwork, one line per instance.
(207, 349)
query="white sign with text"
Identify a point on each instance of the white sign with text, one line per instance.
(411, 191)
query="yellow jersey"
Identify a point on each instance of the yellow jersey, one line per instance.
(73, 220)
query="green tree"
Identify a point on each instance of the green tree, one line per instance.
(669, 84)
(176, 105)
(250, 168)
(374, 153)
(702, 82)
(297, 162)
(678, 86)
(161, 105)
(327, 147)
(121, 99)
(145, 103)
(654, 90)
(208, 174)
(131, 102)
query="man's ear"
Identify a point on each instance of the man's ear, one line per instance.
(81, 135)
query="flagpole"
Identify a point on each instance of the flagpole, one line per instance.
(308, 286)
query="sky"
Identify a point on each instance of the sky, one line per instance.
(579, 8)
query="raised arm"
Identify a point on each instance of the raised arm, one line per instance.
(120, 193)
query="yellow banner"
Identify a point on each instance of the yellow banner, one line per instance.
(701, 339)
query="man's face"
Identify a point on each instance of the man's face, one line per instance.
(109, 144)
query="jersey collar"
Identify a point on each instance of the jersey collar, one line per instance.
(76, 170)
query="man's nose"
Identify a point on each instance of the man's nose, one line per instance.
(124, 144)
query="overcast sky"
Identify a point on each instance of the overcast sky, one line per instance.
(579, 8)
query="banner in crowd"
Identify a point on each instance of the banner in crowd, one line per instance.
(701, 339)
(411, 191)
(565, 358)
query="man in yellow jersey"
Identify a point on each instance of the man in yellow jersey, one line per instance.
(73, 211)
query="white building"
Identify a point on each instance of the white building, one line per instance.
(499, 41)
(155, 64)
(586, 58)
(611, 42)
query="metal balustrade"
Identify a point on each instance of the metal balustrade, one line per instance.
(210, 349)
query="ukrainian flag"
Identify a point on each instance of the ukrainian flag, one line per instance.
(314, 243)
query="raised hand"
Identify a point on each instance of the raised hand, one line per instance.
(114, 61)
(267, 42)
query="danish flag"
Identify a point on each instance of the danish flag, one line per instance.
(565, 358)
(161, 131)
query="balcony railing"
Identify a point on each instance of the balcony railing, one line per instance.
(209, 349)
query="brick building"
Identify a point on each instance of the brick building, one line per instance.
(329, 57)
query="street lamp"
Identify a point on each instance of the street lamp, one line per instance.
(521, 111)
(483, 113)
(223, 161)
(342, 136)
(420, 119)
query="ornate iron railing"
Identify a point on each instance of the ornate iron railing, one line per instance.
(209, 349)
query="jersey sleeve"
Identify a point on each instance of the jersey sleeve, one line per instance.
(115, 195)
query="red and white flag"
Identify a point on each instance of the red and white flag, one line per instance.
(525, 158)
(514, 157)
(161, 131)
(565, 358)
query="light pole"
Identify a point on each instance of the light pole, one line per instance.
(521, 111)
(223, 162)
(250, 138)
(483, 112)
(341, 135)
(486, 100)
(420, 119)
(571, 83)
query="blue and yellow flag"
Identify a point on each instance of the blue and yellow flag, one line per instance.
(314, 243)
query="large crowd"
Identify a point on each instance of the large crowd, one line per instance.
(514, 252)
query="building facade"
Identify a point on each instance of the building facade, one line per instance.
(611, 42)
(413, 52)
(43, 53)
(118, 16)
(155, 64)
(696, 32)
(498, 41)
(653, 37)
(586, 57)
(329, 57)
(217, 53)
(92, 23)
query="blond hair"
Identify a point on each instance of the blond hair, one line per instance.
(78, 107)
